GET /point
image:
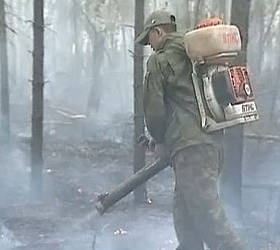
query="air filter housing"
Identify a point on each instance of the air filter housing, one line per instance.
(212, 41)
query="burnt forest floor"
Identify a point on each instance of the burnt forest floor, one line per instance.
(76, 171)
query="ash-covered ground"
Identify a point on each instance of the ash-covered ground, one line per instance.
(82, 160)
(75, 173)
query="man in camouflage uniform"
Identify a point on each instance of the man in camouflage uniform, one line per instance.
(173, 121)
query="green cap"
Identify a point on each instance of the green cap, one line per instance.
(155, 19)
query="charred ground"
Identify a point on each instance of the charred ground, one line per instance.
(78, 168)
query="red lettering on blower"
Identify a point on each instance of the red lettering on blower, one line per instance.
(230, 38)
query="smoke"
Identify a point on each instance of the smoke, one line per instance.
(7, 239)
(76, 172)
(89, 155)
(13, 191)
(14, 178)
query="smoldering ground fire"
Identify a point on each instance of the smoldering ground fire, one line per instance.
(88, 133)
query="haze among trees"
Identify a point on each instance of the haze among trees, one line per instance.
(71, 73)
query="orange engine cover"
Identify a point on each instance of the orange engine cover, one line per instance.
(233, 86)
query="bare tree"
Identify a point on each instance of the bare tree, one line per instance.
(98, 48)
(139, 153)
(258, 30)
(275, 91)
(5, 100)
(232, 178)
(198, 11)
(274, 99)
(37, 101)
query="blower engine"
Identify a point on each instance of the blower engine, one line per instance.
(224, 93)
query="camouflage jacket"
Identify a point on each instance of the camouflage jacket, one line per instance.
(170, 107)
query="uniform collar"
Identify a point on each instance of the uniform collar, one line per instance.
(166, 41)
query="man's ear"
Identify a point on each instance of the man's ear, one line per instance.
(158, 30)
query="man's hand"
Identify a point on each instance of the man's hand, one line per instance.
(146, 143)
(159, 150)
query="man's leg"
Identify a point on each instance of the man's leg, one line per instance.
(196, 170)
(186, 234)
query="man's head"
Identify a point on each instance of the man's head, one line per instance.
(156, 27)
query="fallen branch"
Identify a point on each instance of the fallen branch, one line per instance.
(71, 116)
(274, 138)
(68, 113)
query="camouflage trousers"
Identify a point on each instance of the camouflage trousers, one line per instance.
(198, 213)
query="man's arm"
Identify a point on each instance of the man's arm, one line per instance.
(154, 108)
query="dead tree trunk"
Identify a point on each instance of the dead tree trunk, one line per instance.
(98, 48)
(232, 175)
(197, 11)
(258, 29)
(37, 101)
(76, 38)
(274, 99)
(275, 93)
(276, 82)
(139, 152)
(5, 100)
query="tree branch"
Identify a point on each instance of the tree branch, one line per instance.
(86, 16)
(271, 22)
